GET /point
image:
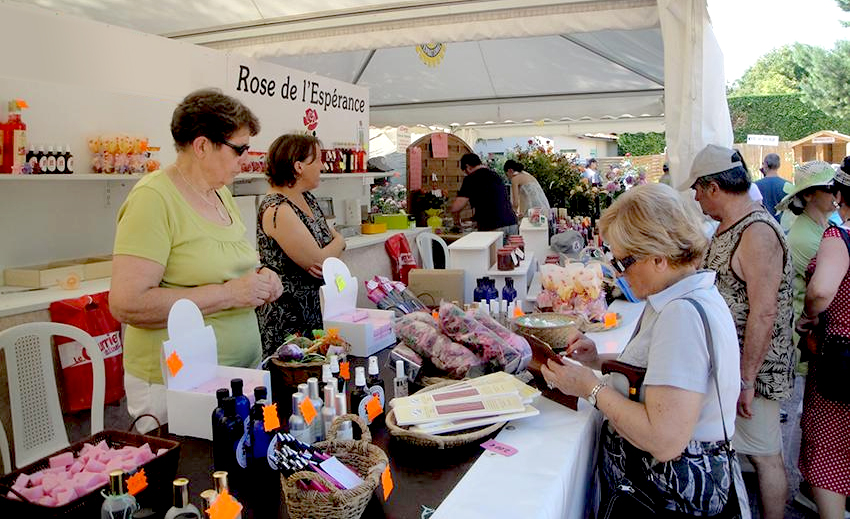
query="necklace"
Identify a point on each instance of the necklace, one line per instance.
(221, 212)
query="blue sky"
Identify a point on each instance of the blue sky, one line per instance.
(747, 29)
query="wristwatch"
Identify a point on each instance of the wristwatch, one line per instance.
(593, 392)
(746, 385)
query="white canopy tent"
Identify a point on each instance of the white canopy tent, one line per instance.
(588, 65)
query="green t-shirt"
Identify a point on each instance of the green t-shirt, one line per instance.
(156, 223)
(803, 240)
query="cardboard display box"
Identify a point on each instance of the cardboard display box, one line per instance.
(434, 285)
(192, 374)
(56, 272)
(367, 330)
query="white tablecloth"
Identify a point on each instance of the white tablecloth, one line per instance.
(551, 475)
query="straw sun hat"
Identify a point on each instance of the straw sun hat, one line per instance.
(811, 174)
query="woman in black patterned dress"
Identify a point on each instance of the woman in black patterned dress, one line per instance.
(293, 238)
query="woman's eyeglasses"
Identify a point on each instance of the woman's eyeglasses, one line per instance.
(239, 149)
(621, 265)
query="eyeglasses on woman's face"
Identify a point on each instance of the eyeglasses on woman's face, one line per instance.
(239, 149)
(621, 265)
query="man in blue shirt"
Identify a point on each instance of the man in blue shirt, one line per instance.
(771, 186)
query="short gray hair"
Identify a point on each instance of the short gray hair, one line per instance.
(771, 160)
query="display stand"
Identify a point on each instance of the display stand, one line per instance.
(447, 171)
(536, 238)
(522, 276)
(475, 253)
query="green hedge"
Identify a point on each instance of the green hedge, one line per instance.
(784, 115)
(639, 144)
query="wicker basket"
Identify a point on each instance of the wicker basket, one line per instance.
(160, 472)
(366, 459)
(291, 374)
(439, 441)
(555, 335)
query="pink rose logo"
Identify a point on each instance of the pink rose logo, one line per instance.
(311, 119)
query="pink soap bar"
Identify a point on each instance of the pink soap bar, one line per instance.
(47, 501)
(61, 460)
(21, 482)
(86, 447)
(49, 483)
(95, 466)
(36, 477)
(56, 471)
(65, 497)
(102, 446)
(160, 452)
(115, 464)
(32, 493)
(76, 467)
(12, 495)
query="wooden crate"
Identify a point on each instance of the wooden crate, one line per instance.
(447, 171)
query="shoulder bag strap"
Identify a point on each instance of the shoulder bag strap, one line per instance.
(712, 367)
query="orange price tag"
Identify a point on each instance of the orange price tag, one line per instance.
(373, 408)
(175, 363)
(387, 482)
(610, 320)
(270, 418)
(137, 482)
(224, 507)
(307, 411)
(518, 312)
(345, 370)
(435, 315)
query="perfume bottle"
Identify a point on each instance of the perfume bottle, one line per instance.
(117, 503)
(181, 507)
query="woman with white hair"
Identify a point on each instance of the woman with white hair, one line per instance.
(667, 450)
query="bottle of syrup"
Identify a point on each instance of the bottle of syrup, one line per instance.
(14, 140)
(60, 160)
(69, 160)
(51, 160)
(42, 159)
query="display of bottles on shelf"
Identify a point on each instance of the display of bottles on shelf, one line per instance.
(344, 158)
(54, 161)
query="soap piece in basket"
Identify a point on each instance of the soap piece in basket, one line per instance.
(61, 460)
(344, 475)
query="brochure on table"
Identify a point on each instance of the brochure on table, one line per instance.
(192, 374)
(367, 330)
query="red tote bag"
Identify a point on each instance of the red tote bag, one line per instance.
(91, 314)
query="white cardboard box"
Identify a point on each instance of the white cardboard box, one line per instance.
(190, 411)
(190, 390)
(338, 299)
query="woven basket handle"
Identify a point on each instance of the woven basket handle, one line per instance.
(147, 415)
(365, 435)
(312, 476)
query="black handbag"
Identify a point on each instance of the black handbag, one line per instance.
(832, 364)
(638, 497)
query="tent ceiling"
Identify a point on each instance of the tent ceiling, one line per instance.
(505, 60)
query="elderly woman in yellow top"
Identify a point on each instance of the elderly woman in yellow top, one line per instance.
(180, 236)
(669, 445)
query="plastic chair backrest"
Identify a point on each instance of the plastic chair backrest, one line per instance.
(37, 423)
(424, 242)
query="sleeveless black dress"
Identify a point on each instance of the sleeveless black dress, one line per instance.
(297, 309)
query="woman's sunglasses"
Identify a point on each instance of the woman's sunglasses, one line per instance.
(239, 149)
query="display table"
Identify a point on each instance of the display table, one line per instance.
(551, 475)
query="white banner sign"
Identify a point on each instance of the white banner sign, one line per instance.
(763, 140)
(295, 101)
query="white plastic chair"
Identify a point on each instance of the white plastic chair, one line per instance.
(424, 242)
(37, 423)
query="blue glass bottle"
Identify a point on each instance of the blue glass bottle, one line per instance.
(218, 412)
(492, 292)
(260, 440)
(478, 294)
(243, 405)
(508, 292)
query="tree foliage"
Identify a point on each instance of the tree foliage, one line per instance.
(827, 85)
(780, 71)
(650, 143)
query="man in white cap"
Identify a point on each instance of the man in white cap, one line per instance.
(754, 273)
